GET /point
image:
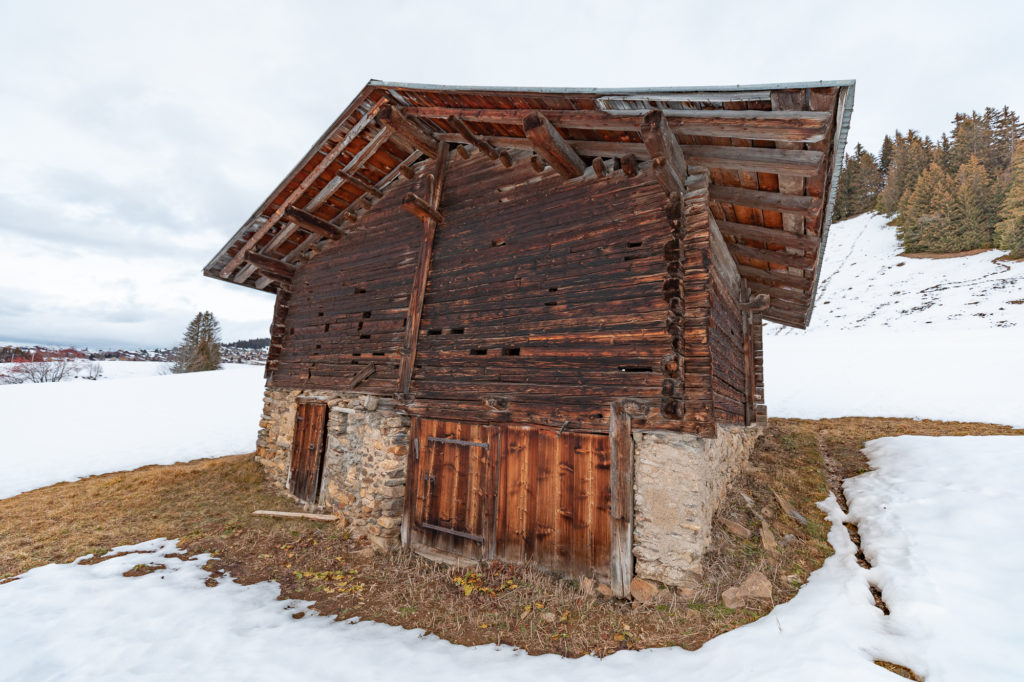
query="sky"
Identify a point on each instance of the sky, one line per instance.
(135, 138)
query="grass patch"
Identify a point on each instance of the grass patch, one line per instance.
(208, 505)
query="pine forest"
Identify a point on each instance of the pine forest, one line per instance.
(962, 192)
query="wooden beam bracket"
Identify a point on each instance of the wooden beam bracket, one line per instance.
(421, 208)
(550, 144)
(411, 134)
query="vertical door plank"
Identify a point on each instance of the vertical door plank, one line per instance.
(620, 441)
(566, 476)
(546, 490)
(601, 504)
(581, 531)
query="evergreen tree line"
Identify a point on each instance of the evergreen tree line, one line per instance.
(962, 192)
(200, 346)
(251, 344)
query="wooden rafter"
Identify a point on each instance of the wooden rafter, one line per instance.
(419, 286)
(775, 277)
(770, 235)
(796, 126)
(272, 267)
(550, 144)
(803, 163)
(666, 157)
(801, 261)
(472, 138)
(311, 223)
(324, 163)
(755, 198)
(411, 133)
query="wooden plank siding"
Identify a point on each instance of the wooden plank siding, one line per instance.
(513, 492)
(308, 450)
(544, 296)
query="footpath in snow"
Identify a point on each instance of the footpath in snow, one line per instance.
(65, 431)
(902, 337)
(937, 520)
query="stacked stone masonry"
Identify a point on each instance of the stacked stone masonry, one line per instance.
(364, 459)
(679, 479)
(679, 482)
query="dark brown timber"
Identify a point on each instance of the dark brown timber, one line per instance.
(419, 286)
(550, 144)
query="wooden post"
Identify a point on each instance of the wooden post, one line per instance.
(412, 328)
(621, 439)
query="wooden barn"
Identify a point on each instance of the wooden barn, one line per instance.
(525, 324)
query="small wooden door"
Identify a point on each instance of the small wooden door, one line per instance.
(308, 450)
(451, 490)
(512, 492)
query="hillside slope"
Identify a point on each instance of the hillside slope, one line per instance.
(866, 284)
(935, 338)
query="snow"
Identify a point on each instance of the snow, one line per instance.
(62, 432)
(902, 337)
(929, 510)
(940, 522)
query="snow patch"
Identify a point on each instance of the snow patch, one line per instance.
(62, 432)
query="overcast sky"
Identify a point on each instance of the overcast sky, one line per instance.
(135, 137)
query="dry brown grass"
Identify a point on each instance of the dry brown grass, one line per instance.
(208, 505)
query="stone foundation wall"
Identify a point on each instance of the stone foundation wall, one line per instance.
(364, 460)
(680, 480)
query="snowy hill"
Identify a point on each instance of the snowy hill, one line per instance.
(866, 284)
(891, 336)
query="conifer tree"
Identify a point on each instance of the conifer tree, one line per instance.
(1010, 229)
(910, 157)
(928, 212)
(860, 181)
(976, 204)
(200, 346)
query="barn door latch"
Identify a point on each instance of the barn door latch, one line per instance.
(429, 478)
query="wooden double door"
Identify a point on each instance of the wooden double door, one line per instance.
(511, 492)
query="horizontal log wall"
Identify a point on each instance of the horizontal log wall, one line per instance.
(728, 365)
(348, 305)
(544, 295)
(545, 302)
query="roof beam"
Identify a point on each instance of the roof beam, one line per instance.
(412, 134)
(550, 144)
(472, 138)
(311, 223)
(775, 277)
(769, 235)
(793, 126)
(666, 156)
(754, 159)
(271, 267)
(326, 161)
(421, 208)
(773, 201)
(804, 261)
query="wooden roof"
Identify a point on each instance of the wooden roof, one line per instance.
(773, 152)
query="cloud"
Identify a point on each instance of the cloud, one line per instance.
(139, 137)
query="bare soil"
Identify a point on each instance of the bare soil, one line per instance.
(208, 505)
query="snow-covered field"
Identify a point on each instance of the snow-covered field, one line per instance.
(902, 337)
(61, 432)
(938, 519)
(109, 369)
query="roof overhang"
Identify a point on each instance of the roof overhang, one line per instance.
(773, 152)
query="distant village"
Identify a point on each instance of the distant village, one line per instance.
(248, 352)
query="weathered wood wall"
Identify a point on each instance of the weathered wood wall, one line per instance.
(545, 302)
